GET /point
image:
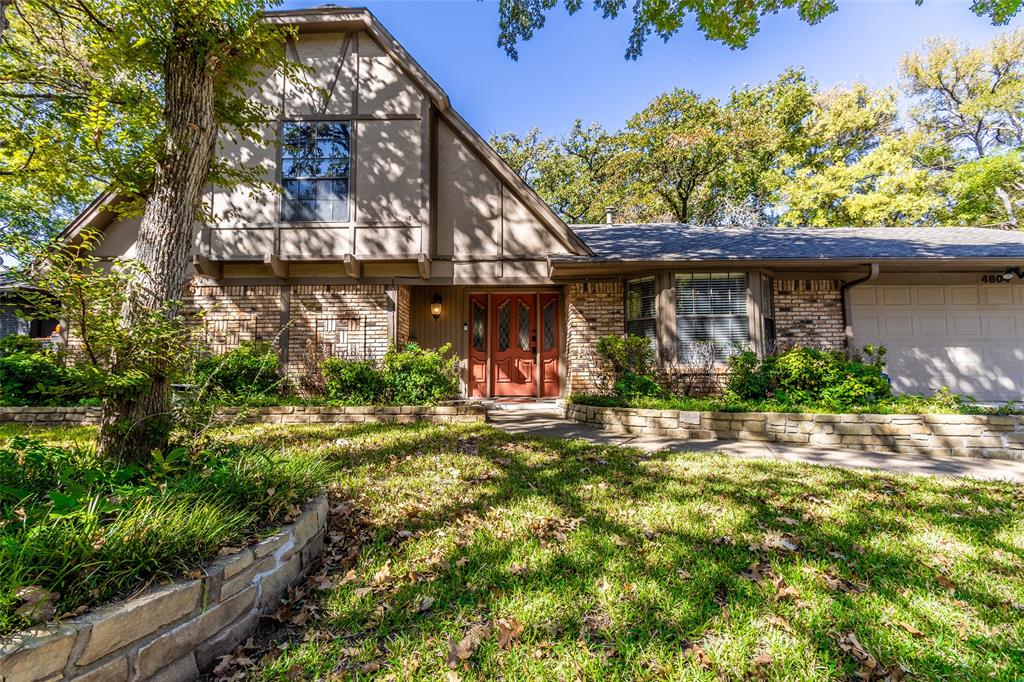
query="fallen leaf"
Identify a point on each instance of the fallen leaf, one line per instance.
(39, 604)
(425, 604)
(509, 630)
(763, 659)
(753, 573)
(683, 574)
(945, 582)
(911, 629)
(788, 520)
(779, 622)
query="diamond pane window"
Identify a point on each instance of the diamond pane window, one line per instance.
(315, 171)
(504, 326)
(524, 326)
(711, 307)
(479, 324)
(549, 326)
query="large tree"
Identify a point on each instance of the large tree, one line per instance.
(731, 23)
(971, 100)
(570, 173)
(133, 94)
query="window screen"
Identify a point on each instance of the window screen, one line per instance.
(711, 307)
(640, 308)
(315, 171)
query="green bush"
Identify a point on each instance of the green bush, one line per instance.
(84, 530)
(252, 369)
(353, 382)
(19, 343)
(636, 386)
(41, 378)
(627, 355)
(804, 376)
(417, 376)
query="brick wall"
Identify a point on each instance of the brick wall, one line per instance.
(809, 312)
(348, 320)
(230, 315)
(593, 310)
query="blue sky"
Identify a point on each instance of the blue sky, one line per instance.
(574, 66)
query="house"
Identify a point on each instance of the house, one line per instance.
(396, 222)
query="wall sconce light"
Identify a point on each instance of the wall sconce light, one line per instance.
(435, 306)
(1010, 272)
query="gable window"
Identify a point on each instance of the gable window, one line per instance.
(315, 171)
(640, 308)
(711, 307)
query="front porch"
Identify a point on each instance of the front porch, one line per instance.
(511, 342)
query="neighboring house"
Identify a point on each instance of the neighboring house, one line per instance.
(398, 222)
(11, 302)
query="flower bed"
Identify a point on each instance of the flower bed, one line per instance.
(173, 631)
(997, 436)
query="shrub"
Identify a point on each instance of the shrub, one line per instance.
(808, 376)
(416, 376)
(41, 378)
(251, 369)
(19, 343)
(355, 382)
(631, 387)
(627, 354)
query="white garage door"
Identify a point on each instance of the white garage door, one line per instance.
(969, 337)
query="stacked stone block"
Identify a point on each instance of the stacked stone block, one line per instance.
(958, 435)
(172, 632)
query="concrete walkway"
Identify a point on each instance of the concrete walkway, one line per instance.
(530, 419)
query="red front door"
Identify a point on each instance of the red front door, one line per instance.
(514, 344)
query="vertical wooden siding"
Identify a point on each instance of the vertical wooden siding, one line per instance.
(431, 333)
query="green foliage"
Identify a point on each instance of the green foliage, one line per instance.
(73, 524)
(636, 386)
(789, 153)
(251, 369)
(19, 343)
(42, 378)
(626, 355)
(417, 376)
(733, 24)
(353, 382)
(810, 376)
(118, 357)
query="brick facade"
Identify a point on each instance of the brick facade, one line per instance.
(345, 320)
(592, 310)
(809, 312)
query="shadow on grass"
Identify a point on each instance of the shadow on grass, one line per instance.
(649, 582)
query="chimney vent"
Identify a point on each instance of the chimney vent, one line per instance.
(608, 211)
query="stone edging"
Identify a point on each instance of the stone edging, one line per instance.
(286, 414)
(963, 435)
(172, 632)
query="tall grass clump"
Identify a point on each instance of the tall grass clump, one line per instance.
(76, 531)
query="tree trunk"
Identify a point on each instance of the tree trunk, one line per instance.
(131, 428)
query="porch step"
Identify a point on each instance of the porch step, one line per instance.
(522, 404)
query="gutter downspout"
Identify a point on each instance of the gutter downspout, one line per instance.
(847, 320)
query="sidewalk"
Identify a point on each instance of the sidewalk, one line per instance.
(551, 424)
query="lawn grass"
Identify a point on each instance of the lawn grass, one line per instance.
(618, 564)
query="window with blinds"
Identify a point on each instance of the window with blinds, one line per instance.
(640, 309)
(711, 307)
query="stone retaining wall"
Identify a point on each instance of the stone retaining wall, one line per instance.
(993, 436)
(172, 632)
(90, 416)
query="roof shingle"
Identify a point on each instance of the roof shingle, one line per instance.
(678, 241)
